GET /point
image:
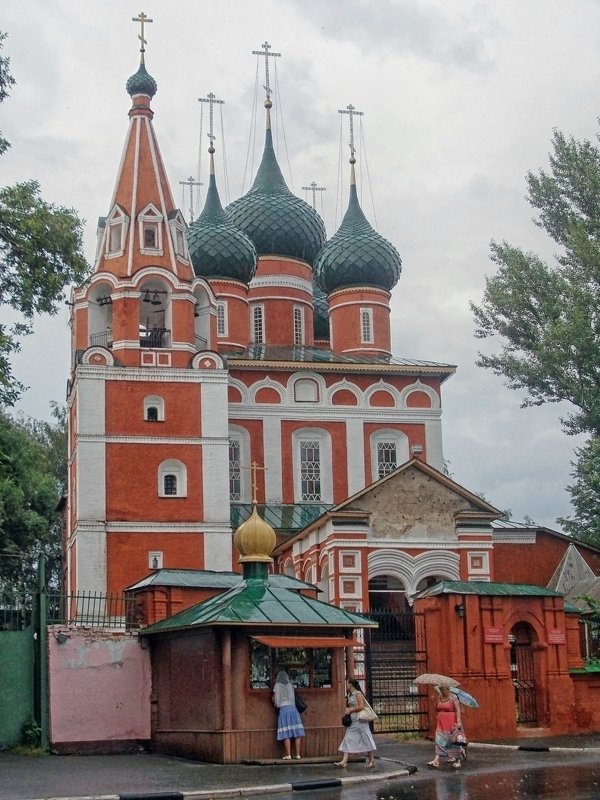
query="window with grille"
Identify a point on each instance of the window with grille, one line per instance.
(258, 334)
(222, 319)
(366, 325)
(152, 414)
(310, 470)
(235, 470)
(387, 458)
(170, 485)
(298, 326)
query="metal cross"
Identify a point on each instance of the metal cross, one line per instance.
(191, 182)
(352, 112)
(314, 189)
(265, 52)
(142, 18)
(211, 99)
(254, 469)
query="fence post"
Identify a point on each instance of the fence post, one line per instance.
(42, 634)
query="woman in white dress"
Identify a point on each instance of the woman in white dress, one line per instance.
(358, 738)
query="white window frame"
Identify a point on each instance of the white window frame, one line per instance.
(152, 555)
(177, 227)
(366, 326)
(116, 219)
(258, 323)
(298, 326)
(242, 436)
(150, 216)
(154, 401)
(222, 318)
(323, 437)
(172, 466)
(390, 435)
(304, 383)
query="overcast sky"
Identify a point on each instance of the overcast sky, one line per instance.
(459, 98)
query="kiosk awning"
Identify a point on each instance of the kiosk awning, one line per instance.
(307, 641)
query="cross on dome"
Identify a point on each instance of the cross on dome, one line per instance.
(254, 469)
(314, 189)
(142, 19)
(352, 112)
(265, 53)
(211, 99)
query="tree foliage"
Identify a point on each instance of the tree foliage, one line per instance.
(546, 316)
(41, 252)
(32, 480)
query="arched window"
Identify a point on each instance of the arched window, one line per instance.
(221, 318)
(298, 325)
(312, 466)
(239, 456)
(154, 408)
(306, 390)
(366, 325)
(389, 449)
(258, 325)
(172, 479)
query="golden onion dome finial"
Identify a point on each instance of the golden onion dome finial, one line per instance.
(255, 538)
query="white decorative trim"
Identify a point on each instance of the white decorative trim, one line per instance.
(172, 466)
(134, 183)
(129, 439)
(355, 446)
(410, 570)
(360, 302)
(325, 462)
(367, 312)
(335, 413)
(144, 526)
(266, 383)
(158, 375)
(215, 362)
(242, 389)
(287, 281)
(344, 384)
(392, 435)
(508, 537)
(273, 460)
(381, 385)
(242, 436)
(150, 214)
(417, 386)
(295, 376)
(154, 155)
(101, 351)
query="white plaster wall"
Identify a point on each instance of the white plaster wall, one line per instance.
(218, 550)
(91, 401)
(273, 456)
(91, 480)
(91, 557)
(355, 444)
(433, 438)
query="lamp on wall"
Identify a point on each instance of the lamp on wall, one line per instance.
(460, 610)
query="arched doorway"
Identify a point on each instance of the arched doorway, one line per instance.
(522, 670)
(393, 654)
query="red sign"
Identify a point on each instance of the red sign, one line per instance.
(556, 636)
(494, 634)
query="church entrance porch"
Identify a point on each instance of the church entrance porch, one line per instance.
(523, 674)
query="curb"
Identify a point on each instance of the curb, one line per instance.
(532, 748)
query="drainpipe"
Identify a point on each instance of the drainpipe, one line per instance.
(42, 632)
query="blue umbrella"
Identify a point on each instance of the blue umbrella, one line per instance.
(464, 698)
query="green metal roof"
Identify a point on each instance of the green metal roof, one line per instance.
(276, 220)
(217, 248)
(259, 602)
(357, 255)
(141, 82)
(322, 355)
(488, 588)
(209, 579)
(281, 517)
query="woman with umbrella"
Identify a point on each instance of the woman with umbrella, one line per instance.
(448, 720)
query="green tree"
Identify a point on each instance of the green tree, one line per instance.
(41, 252)
(546, 316)
(32, 480)
(585, 494)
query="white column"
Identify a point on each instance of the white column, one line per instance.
(433, 439)
(272, 449)
(355, 455)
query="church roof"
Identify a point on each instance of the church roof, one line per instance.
(357, 255)
(277, 356)
(276, 220)
(210, 579)
(217, 248)
(487, 588)
(260, 602)
(141, 82)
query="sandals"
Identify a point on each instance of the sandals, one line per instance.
(433, 764)
(340, 764)
(456, 765)
(286, 758)
(369, 764)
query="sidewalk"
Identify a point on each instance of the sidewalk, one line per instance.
(155, 777)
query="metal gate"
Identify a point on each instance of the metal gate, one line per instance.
(16, 668)
(521, 662)
(394, 653)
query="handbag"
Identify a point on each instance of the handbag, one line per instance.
(300, 703)
(457, 736)
(366, 714)
(346, 720)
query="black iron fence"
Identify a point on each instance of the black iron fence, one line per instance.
(92, 610)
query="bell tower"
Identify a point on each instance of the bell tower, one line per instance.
(148, 449)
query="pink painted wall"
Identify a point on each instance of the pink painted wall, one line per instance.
(99, 686)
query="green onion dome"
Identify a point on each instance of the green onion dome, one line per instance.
(356, 255)
(320, 313)
(141, 82)
(278, 222)
(217, 248)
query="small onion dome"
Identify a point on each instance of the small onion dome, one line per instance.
(356, 255)
(321, 313)
(217, 248)
(141, 82)
(255, 539)
(278, 222)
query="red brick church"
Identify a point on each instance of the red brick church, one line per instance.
(252, 337)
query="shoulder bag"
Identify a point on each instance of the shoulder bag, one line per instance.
(366, 714)
(300, 703)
